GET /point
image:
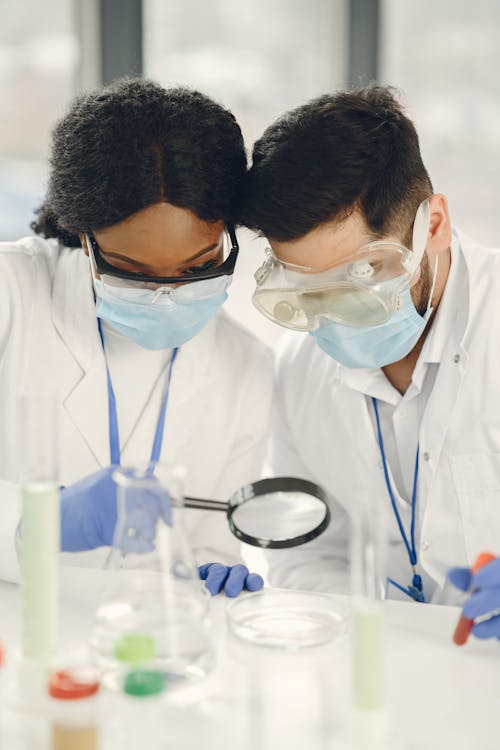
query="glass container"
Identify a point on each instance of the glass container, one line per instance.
(154, 609)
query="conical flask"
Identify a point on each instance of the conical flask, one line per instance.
(154, 609)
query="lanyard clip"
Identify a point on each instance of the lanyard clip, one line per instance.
(416, 594)
(416, 590)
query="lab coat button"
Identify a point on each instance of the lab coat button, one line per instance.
(456, 358)
(427, 456)
(425, 545)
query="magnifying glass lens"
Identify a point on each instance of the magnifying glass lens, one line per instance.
(273, 513)
(279, 516)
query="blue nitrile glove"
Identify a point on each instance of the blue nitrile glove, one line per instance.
(485, 597)
(89, 515)
(232, 578)
(88, 512)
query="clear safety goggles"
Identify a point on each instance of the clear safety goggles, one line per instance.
(362, 291)
(213, 278)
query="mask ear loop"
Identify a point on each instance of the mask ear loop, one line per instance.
(93, 267)
(434, 281)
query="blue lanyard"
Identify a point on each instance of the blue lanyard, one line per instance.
(416, 590)
(114, 436)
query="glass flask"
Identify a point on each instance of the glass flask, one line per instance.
(154, 608)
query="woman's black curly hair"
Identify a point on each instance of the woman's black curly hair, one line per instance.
(132, 144)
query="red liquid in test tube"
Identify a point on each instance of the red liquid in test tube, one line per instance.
(464, 626)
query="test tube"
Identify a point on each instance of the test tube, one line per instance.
(464, 625)
(40, 524)
(368, 576)
(73, 709)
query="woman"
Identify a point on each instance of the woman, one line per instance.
(116, 303)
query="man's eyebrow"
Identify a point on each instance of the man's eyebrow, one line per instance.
(138, 264)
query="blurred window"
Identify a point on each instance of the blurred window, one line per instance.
(38, 61)
(445, 57)
(257, 58)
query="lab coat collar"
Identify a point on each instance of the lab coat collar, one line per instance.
(85, 394)
(450, 351)
(73, 307)
(437, 338)
(479, 282)
(369, 381)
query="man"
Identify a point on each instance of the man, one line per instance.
(391, 400)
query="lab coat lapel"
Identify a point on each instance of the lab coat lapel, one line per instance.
(84, 395)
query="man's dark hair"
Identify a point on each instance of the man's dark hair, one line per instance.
(317, 163)
(132, 144)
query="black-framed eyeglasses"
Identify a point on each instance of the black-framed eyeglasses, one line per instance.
(226, 268)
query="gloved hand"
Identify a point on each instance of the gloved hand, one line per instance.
(232, 578)
(89, 515)
(485, 597)
(88, 512)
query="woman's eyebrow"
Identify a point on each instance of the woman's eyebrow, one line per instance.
(132, 261)
(138, 264)
(202, 252)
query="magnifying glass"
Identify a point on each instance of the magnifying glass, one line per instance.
(273, 513)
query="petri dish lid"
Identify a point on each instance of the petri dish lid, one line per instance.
(286, 619)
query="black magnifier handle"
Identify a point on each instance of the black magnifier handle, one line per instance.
(200, 504)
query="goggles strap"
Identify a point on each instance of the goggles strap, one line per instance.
(420, 234)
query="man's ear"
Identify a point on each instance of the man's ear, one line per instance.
(440, 225)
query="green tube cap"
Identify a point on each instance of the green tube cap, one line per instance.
(141, 684)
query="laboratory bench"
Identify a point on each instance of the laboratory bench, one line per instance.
(439, 696)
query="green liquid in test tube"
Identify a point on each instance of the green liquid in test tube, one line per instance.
(39, 574)
(40, 526)
(367, 658)
(368, 574)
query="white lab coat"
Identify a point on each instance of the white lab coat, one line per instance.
(219, 401)
(323, 431)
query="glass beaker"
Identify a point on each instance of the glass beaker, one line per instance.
(154, 608)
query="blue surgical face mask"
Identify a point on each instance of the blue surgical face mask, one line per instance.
(160, 318)
(375, 346)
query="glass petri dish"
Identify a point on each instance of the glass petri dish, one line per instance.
(286, 619)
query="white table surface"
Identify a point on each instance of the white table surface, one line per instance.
(439, 696)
